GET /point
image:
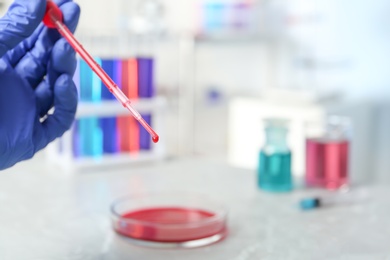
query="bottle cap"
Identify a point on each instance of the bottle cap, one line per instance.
(310, 203)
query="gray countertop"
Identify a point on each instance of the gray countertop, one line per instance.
(48, 214)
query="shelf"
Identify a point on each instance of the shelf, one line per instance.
(107, 160)
(235, 37)
(111, 108)
(114, 108)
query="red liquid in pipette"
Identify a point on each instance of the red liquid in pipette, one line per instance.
(53, 19)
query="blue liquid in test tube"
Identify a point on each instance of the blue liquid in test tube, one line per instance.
(90, 134)
(145, 90)
(109, 124)
(75, 128)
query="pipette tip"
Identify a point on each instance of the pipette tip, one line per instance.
(155, 138)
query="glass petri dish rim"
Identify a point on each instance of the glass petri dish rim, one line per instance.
(221, 214)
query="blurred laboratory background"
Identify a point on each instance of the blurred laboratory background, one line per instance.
(217, 68)
(293, 93)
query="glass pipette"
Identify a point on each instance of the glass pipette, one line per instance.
(54, 19)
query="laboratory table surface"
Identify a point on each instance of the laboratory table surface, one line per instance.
(47, 214)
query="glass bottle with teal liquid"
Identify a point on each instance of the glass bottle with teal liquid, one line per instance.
(274, 170)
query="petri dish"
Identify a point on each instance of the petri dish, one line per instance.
(170, 220)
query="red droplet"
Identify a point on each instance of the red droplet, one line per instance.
(155, 139)
(52, 10)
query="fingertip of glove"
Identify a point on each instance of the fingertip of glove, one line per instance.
(71, 13)
(64, 46)
(64, 79)
(66, 92)
(66, 84)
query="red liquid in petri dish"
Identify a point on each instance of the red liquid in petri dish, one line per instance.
(169, 224)
(327, 163)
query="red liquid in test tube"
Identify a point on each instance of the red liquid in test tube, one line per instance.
(53, 19)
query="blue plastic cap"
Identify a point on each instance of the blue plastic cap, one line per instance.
(309, 203)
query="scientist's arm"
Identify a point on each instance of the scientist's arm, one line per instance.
(36, 69)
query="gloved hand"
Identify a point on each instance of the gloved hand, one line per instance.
(36, 69)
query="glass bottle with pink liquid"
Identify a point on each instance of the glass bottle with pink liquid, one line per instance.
(327, 155)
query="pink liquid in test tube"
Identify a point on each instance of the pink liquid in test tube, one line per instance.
(53, 19)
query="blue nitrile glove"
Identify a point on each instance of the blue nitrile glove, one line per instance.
(36, 69)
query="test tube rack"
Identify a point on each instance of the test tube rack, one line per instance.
(60, 152)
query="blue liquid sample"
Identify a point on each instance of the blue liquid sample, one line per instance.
(75, 139)
(144, 137)
(146, 89)
(90, 133)
(214, 16)
(75, 127)
(109, 124)
(274, 172)
(91, 137)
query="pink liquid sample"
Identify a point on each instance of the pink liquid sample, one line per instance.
(169, 224)
(326, 163)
